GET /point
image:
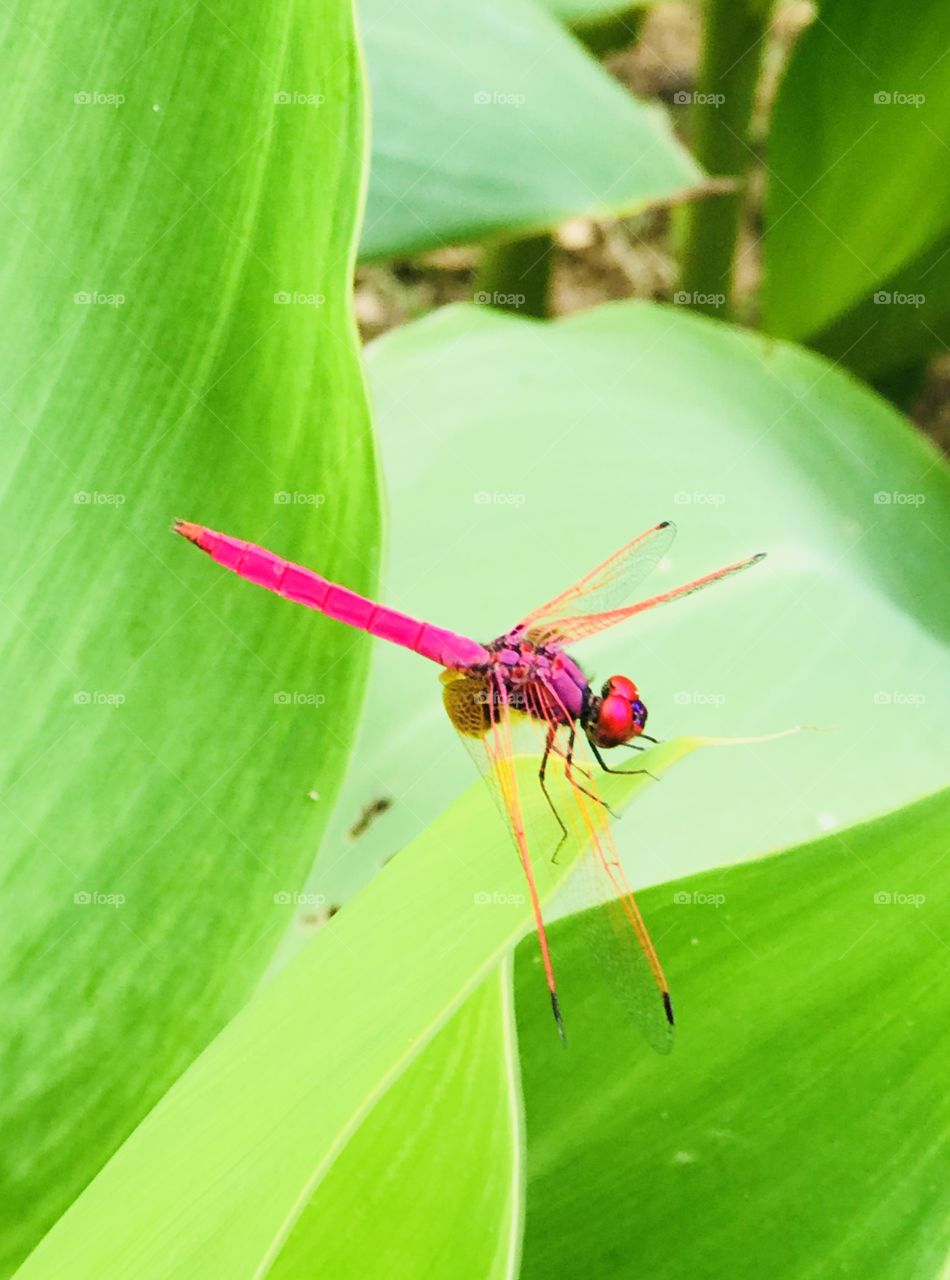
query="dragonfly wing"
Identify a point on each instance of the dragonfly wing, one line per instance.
(569, 628)
(494, 733)
(600, 897)
(611, 583)
(479, 709)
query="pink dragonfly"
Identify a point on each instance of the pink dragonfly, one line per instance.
(526, 678)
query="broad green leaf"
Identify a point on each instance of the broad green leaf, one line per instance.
(434, 1179)
(170, 223)
(859, 185)
(800, 1127)
(518, 455)
(490, 118)
(214, 1179)
(898, 325)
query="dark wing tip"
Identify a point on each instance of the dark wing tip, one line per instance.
(556, 1008)
(668, 1007)
(759, 555)
(664, 524)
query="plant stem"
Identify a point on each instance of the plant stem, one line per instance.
(733, 42)
(514, 275)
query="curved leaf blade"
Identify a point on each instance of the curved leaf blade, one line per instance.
(213, 1181)
(158, 196)
(807, 1086)
(474, 134)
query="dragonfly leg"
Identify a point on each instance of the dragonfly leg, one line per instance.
(552, 733)
(607, 769)
(568, 762)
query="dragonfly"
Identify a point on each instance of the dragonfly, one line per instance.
(525, 678)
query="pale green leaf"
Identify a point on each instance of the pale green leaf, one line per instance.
(490, 118)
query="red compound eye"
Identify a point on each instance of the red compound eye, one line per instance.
(622, 686)
(615, 721)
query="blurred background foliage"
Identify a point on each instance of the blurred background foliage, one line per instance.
(699, 260)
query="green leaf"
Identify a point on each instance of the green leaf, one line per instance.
(435, 1175)
(800, 1127)
(518, 455)
(475, 131)
(159, 196)
(897, 326)
(213, 1180)
(859, 185)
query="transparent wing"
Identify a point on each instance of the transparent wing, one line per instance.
(613, 928)
(480, 711)
(569, 628)
(598, 891)
(611, 583)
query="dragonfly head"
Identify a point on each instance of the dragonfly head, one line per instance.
(617, 715)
